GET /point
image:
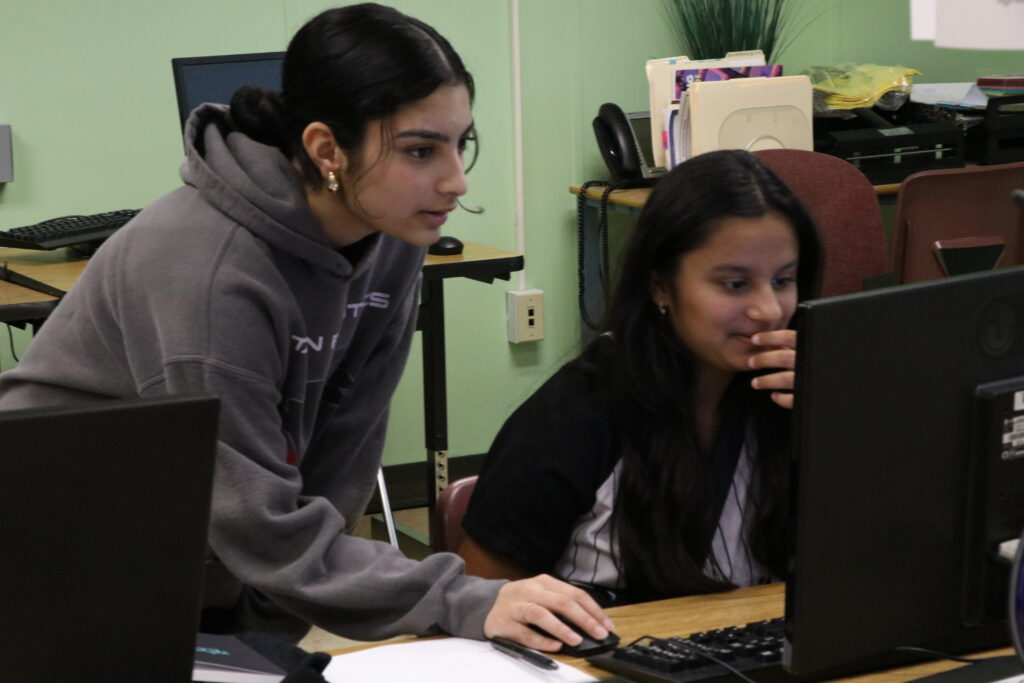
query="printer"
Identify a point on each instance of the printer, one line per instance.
(887, 150)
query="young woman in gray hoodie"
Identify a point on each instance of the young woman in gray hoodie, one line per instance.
(283, 277)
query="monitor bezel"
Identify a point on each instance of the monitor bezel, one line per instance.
(180, 64)
(638, 121)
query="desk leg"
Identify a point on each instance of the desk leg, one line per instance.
(434, 389)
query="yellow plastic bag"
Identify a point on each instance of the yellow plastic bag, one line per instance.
(850, 86)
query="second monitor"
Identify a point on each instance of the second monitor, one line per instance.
(216, 78)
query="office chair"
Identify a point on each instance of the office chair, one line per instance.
(959, 214)
(845, 208)
(446, 531)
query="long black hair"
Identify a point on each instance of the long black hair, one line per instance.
(346, 67)
(663, 511)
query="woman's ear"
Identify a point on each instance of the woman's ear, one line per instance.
(659, 294)
(323, 149)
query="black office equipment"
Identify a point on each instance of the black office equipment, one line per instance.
(103, 515)
(902, 490)
(754, 649)
(215, 79)
(888, 155)
(447, 245)
(999, 139)
(624, 140)
(67, 231)
(586, 647)
(222, 657)
(908, 475)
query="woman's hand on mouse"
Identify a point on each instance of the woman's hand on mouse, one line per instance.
(535, 601)
(779, 352)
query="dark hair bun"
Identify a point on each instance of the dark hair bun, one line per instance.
(259, 113)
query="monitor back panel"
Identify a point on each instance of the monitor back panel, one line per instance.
(103, 518)
(882, 465)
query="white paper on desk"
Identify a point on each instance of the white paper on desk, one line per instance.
(681, 131)
(672, 115)
(955, 94)
(445, 660)
(660, 86)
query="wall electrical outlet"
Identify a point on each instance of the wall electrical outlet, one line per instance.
(525, 315)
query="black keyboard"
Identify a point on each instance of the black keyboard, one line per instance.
(67, 230)
(754, 649)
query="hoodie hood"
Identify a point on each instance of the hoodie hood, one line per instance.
(256, 186)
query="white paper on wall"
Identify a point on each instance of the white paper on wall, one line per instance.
(922, 19)
(980, 24)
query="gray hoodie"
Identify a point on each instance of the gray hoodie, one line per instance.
(227, 286)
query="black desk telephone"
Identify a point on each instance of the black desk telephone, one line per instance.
(626, 145)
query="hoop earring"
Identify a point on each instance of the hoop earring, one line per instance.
(332, 182)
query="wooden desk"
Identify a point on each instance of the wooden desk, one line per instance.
(683, 616)
(58, 269)
(61, 268)
(20, 303)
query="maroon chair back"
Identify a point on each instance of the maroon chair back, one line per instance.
(951, 205)
(446, 532)
(844, 206)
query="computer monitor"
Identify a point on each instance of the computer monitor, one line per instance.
(908, 471)
(640, 127)
(103, 518)
(215, 79)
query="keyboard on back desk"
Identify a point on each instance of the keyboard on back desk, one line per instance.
(754, 649)
(66, 230)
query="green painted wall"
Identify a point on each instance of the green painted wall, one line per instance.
(878, 32)
(87, 88)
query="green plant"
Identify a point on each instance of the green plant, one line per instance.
(707, 29)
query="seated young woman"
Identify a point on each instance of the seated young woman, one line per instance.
(655, 464)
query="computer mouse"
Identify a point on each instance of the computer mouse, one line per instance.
(446, 246)
(587, 647)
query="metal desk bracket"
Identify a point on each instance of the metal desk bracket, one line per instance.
(17, 278)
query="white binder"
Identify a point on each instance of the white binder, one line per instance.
(745, 113)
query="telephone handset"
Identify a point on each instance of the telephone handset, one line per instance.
(625, 144)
